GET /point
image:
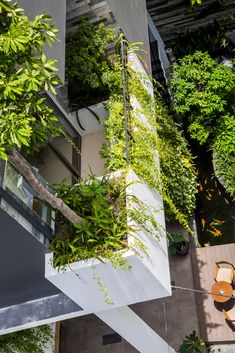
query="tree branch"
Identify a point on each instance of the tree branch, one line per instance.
(25, 169)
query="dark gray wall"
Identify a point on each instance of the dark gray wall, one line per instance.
(36, 311)
(131, 17)
(22, 264)
(57, 9)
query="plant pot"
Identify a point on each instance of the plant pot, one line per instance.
(182, 249)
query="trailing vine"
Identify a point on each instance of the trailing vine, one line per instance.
(151, 132)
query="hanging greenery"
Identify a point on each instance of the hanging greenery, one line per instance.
(156, 133)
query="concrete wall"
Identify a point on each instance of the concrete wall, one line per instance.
(51, 168)
(57, 9)
(90, 157)
(131, 17)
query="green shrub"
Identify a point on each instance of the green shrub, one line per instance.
(203, 93)
(104, 228)
(102, 203)
(33, 340)
(86, 60)
(204, 97)
(210, 38)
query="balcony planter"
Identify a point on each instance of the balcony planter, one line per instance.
(147, 279)
(89, 120)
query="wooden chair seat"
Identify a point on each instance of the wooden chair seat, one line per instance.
(224, 271)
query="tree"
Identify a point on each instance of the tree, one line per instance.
(33, 340)
(203, 93)
(204, 97)
(25, 71)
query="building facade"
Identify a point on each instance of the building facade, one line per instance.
(33, 292)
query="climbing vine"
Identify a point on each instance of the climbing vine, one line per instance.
(151, 132)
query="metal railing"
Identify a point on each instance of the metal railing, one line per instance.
(14, 182)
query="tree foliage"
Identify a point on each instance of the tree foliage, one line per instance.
(204, 97)
(204, 93)
(33, 340)
(25, 71)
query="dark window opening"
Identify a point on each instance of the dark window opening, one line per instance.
(111, 339)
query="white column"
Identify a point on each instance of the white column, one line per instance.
(134, 330)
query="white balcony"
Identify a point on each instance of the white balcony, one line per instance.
(89, 120)
(148, 278)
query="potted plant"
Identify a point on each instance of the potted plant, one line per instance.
(194, 344)
(178, 245)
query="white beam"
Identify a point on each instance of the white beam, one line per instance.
(134, 330)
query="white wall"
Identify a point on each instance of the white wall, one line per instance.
(51, 168)
(90, 157)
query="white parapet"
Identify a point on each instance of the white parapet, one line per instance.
(89, 120)
(90, 283)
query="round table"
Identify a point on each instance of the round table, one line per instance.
(221, 291)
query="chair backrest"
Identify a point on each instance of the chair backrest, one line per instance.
(224, 264)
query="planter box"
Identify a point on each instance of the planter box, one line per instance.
(89, 120)
(148, 278)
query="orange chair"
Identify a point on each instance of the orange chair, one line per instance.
(223, 271)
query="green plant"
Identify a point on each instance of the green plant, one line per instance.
(86, 60)
(157, 132)
(175, 241)
(204, 97)
(203, 92)
(104, 228)
(33, 340)
(193, 344)
(102, 203)
(25, 119)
